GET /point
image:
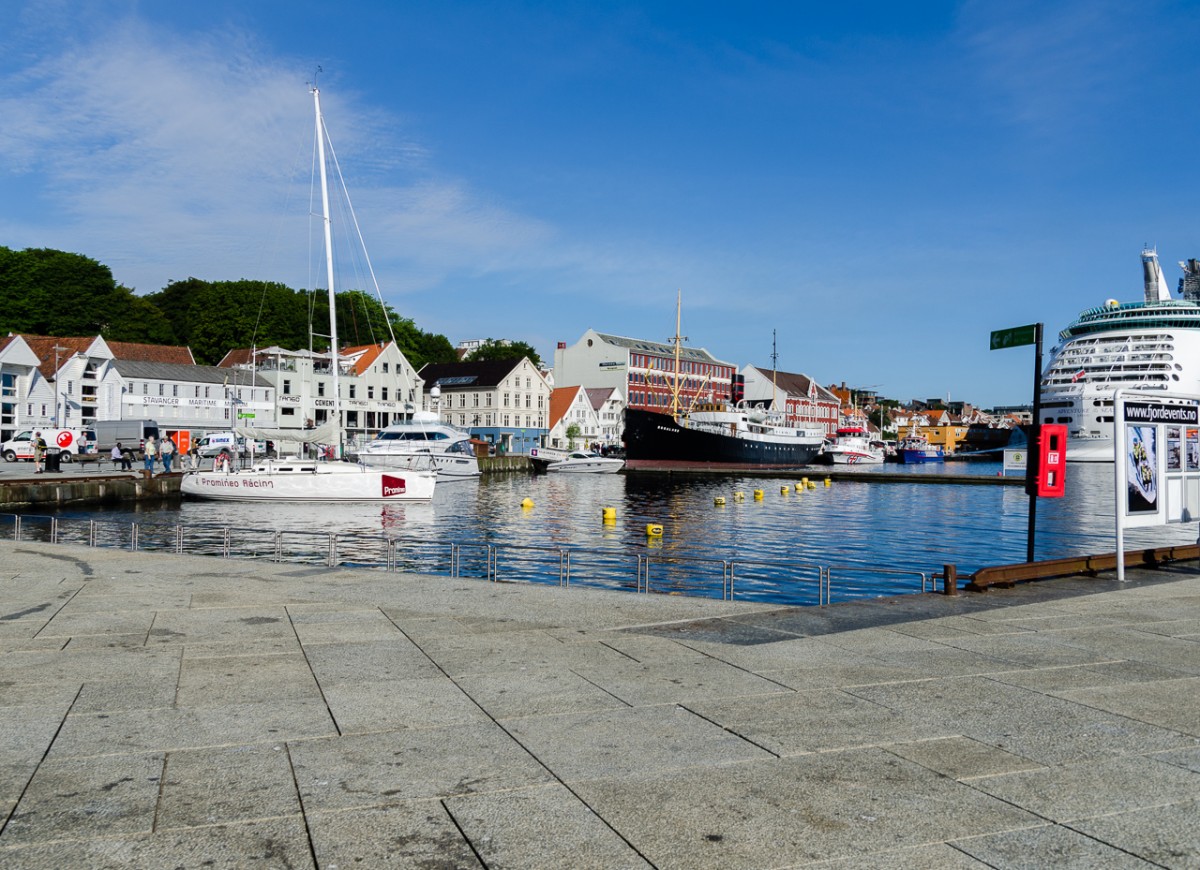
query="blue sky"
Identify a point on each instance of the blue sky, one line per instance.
(882, 184)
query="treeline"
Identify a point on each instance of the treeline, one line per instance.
(49, 292)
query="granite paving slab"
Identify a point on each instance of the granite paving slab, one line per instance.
(1057, 680)
(415, 834)
(816, 720)
(271, 843)
(245, 680)
(640, 684)
(940, 856)
(962, 758)
(785, 812)
(388, 768)
(513, 652)
(536, 692)
(364, 663)
(630, 742)
(127, 731)
(542, 826)
(1166, 835)
(135, 622)
(1158, 703)
(231, 784)
(1039, 727)
(77, 799)
(394, 705)
(1048, 846)
(1063, 793)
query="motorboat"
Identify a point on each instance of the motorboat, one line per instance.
(852, 446)
(574, 462)
(423, 442)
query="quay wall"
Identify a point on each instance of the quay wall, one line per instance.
(51, 490)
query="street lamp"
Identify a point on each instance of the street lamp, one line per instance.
(57, 393)
(435, 394)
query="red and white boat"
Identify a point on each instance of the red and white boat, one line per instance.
(852, 446)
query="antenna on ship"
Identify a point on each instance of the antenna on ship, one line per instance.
(774, 368)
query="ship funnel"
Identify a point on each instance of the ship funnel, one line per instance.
(1152, 273)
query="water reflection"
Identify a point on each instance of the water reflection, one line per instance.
(855, 526)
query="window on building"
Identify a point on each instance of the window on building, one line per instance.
(320, 388)
(287, 387)
(383, 393)
(353, 390)
(370, 392)
(475, 400)
(162, 389)
(385, 368)
(206, 389)
(506, 401)
(175, 390)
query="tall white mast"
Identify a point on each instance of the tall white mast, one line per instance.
(678, 340)
(333, 336)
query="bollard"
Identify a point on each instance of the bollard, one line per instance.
(950, 579)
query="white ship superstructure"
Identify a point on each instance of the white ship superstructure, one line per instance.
(1151, 345)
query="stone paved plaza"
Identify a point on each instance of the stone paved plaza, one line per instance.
(178, 711)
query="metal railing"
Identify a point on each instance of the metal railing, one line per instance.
(730, 579)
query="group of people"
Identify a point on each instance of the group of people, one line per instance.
(154, 450)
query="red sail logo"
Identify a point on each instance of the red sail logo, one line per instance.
(64, 439)
(392, 485)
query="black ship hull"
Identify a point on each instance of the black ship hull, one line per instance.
(655, 440)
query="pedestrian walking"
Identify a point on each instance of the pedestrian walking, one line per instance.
(167, 450)
(149, 452)
(39, 452)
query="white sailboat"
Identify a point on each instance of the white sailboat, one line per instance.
(296, 479)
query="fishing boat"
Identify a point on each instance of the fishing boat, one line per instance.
(421, 443)
(545, 460)
(295, 479)
(852, 446)
(915, 450)
(1153, 344)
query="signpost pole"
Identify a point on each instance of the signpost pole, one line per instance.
(1033, 465)
(1015, 337)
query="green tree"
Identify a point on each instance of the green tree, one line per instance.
(573, 432)
(497, 350)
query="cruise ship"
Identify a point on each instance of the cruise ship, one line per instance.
(1153, 344)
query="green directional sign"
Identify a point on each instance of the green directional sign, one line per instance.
(1014, 336)
(242, 415)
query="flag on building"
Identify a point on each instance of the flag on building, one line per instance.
(1079, 374)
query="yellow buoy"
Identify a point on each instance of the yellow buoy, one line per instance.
(800, 486)
(828, 482)
(783, 490)
(609, 514)
(653, 530)
(527, 503)
(804, 480)
(758, 495)
(719, 501)
(739, 496)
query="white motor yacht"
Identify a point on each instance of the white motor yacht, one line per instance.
(423, 442)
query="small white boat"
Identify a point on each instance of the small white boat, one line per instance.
(574, 462)
(423, 442)
(295, 479)
(852, 446)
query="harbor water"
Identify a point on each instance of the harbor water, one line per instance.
(867, 538)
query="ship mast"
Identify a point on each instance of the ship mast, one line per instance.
(774, 369)
(678, 341)
(333, 336)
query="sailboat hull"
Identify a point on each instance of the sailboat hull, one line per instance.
(306, 481)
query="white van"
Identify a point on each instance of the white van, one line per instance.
(72, 443)
(227, 442)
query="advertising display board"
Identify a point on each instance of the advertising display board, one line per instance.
(1157, 459)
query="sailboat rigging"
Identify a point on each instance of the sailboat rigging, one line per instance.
(293, 478)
